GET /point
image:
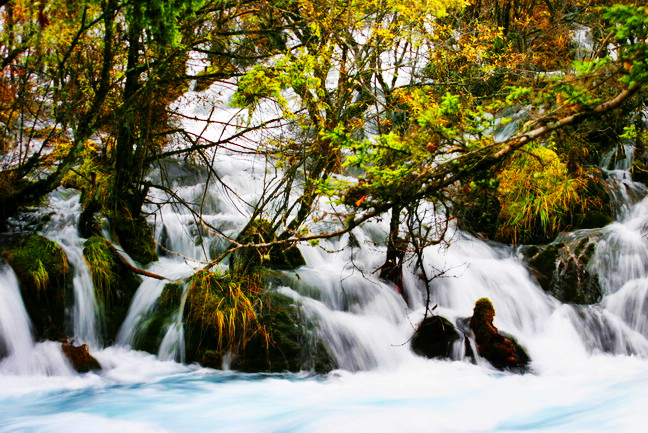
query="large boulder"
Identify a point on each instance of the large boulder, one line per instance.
(562, 270)
(435, 337)
(502, 351)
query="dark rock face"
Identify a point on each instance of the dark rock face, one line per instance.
(435, 337)
(561, 269)
(43, 272)
(503, 352)
(293, 346)
(80, 358)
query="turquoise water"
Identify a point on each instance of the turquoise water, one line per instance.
(137, 393)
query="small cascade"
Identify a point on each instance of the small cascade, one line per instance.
(147, 294)
(172, 346)
(62, 229)
(19, 354)
(617, 164)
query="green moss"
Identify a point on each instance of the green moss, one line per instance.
(164, 313)
(115, 283)
(284, 257)
(135, 237)
(293, 344)
(43, 272)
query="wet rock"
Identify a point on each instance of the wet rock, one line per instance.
(561, 269)
(43, 272)
(80, 358)
(435, 337)
(502, 351)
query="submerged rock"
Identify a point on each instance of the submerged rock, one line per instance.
(80, 358)
(561, 269)
(503, 352)
(435, 337)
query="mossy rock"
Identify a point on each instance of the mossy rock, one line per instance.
(282, 257)
(136, 238)
(43, 272)
(115, 283)
(501, 350)
(293, 344)
(561, 269)
(164, 313)
(435, 337)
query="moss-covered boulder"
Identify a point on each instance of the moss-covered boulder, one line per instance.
(115, 283)
(259, 231)
(435, 337)
(43, 273)
(165, 312)
(234, 320)
(135, 237)
(502, 351)
(80, 358)
(292, 345)
(562, 270)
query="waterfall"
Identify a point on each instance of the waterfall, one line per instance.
(172, 346)
(62, 229)
(19, 354)
(147, 294)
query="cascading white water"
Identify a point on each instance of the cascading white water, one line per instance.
(62, 229)
(19, 354)
(589, 363)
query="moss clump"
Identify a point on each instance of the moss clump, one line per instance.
(222, 310)
(293, 345)
(115, 284)
(42, 269)
(235, 316)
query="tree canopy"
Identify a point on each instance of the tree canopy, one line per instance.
(493, 111)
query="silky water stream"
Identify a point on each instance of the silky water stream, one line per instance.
(589, 370)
